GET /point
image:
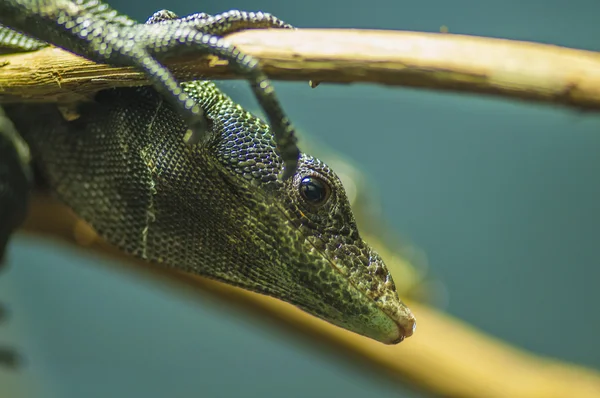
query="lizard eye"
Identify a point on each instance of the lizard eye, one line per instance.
(314, 190)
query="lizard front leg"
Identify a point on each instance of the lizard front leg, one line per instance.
(94, 30)
(230, 22)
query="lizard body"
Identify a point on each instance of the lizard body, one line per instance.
(217, 209)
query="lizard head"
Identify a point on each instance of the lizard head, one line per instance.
(297, 239)
(307, 249)
(355, 289)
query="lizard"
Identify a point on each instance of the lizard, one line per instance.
(178, 174)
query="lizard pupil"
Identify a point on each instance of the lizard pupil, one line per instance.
(314, 190)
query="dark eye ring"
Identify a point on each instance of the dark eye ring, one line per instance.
(314, 190)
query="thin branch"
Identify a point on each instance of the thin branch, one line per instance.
(514, 69)
(445, 356)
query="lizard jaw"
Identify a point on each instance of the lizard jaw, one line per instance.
(371, 305)
(375, 282)
(381, 324)
(392, 320)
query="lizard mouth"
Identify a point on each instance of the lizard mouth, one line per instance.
(389, 304)
(406, 325)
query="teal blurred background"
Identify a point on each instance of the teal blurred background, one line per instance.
(504, 197)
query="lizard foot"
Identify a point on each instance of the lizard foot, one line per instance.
(210, 30)
(96, 31)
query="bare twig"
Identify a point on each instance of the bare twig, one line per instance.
(521, 70)
(445, 356)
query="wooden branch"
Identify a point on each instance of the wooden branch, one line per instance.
(439, 61)
(445, 356)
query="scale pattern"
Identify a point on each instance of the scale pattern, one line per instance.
(217, 209)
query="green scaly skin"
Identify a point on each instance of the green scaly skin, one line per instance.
(217, 209)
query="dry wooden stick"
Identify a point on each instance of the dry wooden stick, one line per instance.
(521, 70)
(445, 356)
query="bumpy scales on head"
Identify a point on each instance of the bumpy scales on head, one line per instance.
(217, 209)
